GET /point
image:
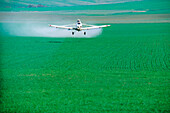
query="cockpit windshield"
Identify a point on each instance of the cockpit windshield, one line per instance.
(78, 21)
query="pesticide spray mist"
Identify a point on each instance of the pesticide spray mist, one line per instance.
(43, 30)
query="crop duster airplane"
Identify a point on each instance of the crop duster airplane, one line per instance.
(79, 27)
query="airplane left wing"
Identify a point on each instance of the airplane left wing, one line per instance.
(94, 27)
(62, 27)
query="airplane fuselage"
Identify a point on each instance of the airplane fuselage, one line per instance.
(78, 25)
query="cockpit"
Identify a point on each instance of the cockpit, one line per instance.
(79, 24)
(78, 21)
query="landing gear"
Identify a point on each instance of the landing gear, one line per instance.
(84, 33)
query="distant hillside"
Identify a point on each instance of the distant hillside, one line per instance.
(55, 5)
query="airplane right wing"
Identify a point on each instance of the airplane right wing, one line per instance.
(62, 27)
(94, 27)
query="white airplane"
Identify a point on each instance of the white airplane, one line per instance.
(79, 27)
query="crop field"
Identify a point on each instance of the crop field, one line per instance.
(124, 69)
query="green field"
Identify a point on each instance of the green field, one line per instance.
(124, 69)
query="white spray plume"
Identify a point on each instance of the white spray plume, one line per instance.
(43, 30)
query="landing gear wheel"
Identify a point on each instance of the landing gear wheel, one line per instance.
(84, 33)
(72, 33)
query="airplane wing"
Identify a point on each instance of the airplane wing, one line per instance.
(94, 27)
(62, 27)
